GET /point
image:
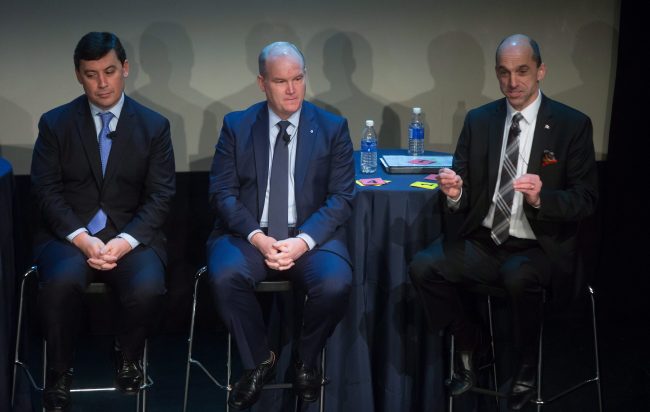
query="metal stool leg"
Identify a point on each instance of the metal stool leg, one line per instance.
(142, 393)
(323, 364)
(17, 362)
(228, 372)
(493, 350)
(596, 379)
(190, 342)
(540, 401)
(540, 364)
(452, 353)
(190, 359)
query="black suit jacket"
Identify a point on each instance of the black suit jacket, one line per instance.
(569, 187)
(67, 179)
(324, 175)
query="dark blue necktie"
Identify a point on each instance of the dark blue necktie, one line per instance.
(98, 222)
(279, 191)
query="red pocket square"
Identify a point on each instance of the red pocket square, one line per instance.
(548, 158)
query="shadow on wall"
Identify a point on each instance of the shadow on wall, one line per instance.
(590, 50)
(347, 70)
(166, 56)
(458, 80)
(18, 130)
(259, 36)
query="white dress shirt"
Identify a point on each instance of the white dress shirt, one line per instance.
(112, 125)
(519, 226)
(292, 215)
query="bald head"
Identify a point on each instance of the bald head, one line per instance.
(279, 49)
(519, 41)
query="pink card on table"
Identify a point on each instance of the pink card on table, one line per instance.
(421, 161)
(373, 181)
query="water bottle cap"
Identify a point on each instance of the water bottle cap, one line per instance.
(417, 110)
(370, 123)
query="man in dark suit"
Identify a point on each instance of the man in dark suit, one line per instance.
(280, 210)
(524, 175)
(103, 178)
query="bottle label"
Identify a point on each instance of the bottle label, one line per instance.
(368, 146)
(416, 133)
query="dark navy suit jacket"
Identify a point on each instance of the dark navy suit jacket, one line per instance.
(67, 180)
(324, 175)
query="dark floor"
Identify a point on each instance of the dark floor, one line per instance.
(625, 364)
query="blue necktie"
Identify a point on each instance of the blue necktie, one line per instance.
(278, 192)
(98, 222)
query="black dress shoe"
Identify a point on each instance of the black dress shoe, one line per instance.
(308, 382)
(524, 387)
(128, 373)
(248, 388)
(56, 395)
(464, 377)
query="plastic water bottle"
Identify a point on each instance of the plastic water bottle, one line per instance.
(369, 148)
(416, 133)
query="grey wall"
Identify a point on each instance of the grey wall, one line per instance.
(196, 60)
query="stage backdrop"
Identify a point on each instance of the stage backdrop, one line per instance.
(196, 60)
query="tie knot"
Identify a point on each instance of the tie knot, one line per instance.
(284, 125)
(516, 119)
(106, 118)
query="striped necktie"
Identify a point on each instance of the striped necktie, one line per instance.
(503, 209)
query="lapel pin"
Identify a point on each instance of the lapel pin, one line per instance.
(547, 127)
(311, 131)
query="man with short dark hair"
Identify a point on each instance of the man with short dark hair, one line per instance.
(281, 186)
(103, 178)
(524, 175)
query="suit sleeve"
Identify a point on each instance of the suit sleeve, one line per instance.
(47, 183)
(578, 197)
(337, 208)
(224, 189)
(461, 167)
(158, 190)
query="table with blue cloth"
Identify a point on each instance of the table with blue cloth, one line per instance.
(382, 356)
(7, 282)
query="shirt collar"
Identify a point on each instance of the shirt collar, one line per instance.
(116, 110)
(530, 112)
(293, 119)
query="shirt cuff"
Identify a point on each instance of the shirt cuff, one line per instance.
(75, 233)
(454, 204)
(308, 239)
(132, 241)
(253, 233)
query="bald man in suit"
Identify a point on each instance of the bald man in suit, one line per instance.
(524, 175)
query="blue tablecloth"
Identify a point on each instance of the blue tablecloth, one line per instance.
(381, 356)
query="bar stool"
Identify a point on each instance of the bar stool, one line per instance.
(262, 287)
(541, 400)
(95, 288)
